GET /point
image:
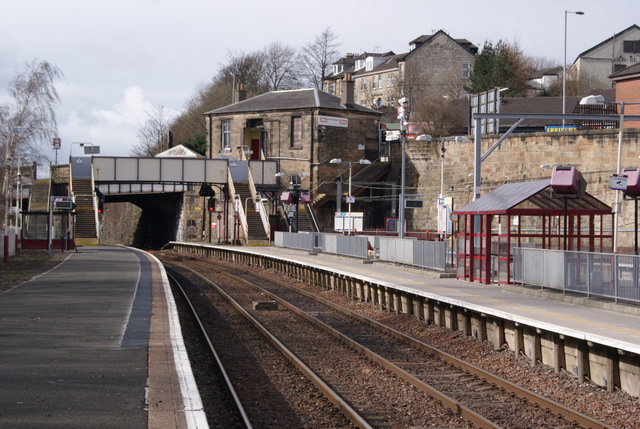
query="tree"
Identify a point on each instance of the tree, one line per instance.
(280, 67)
(491, 68)
(503, 65)
(153, 135)
(246, 69)
(317, 57)
(28, 119)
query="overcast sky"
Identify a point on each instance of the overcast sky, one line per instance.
(120, 58)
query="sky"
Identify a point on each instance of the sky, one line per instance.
(123, 58)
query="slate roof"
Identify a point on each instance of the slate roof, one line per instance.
(467, 45)
(610, 39)
(512, 197)
(628, 72)
(553, 71)
(295, 99)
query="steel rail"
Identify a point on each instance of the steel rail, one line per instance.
(237, 402)
(333, 396)
(541, 401)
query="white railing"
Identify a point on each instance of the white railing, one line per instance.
(238, 208)
(259, 203)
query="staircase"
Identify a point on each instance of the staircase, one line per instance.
(38, 202)
(304, 223)
(39, 196)
(85, 230)
(257, 236)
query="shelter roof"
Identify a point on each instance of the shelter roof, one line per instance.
(531, 197)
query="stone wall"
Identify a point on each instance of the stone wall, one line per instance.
(517, 159)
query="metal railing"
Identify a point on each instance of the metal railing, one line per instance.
(606, 275)
(419, 253)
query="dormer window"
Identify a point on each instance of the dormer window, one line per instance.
(359, 64)
(338, 68)
(369, 63)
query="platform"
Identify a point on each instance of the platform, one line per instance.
(603, 322)
(94, 343)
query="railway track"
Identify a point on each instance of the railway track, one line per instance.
(406, 375)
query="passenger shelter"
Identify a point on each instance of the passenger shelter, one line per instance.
(526, 214)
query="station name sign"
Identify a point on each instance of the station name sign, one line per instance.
(333, 121)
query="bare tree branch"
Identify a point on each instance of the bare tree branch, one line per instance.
(153, 135)
(318, 56)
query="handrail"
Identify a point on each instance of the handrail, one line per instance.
(257, 200)
(238, 207)
(314, 218)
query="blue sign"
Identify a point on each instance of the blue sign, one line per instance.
(558, 128)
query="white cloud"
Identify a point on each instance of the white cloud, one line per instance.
(114, 128)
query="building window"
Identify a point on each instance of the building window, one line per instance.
(375, 82)
(296, 132)
(390, 80)
(631, 46)
(618, 67)
(225, 136)
(465, 70)
(369, 64)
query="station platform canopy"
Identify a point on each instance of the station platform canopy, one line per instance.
(526, 214)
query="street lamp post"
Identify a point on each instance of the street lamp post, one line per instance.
(350, 197)
(402, 115)
(564, 65)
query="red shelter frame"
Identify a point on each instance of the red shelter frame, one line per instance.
(521, 215)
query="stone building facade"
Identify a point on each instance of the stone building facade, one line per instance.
(301, 129)
(437, 66)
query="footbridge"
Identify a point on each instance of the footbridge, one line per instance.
(245, 190)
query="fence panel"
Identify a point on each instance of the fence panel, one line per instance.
(603, 274)
(430, 254)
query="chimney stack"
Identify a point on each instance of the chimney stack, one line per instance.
(240, 93)
(348, 88)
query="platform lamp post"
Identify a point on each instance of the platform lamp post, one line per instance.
(564, 66)
(350, 199)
